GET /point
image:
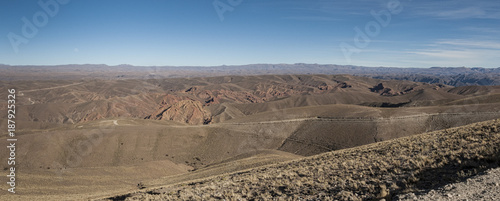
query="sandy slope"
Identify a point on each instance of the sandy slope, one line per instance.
(374, 171)
(161, 152)
(257, 120)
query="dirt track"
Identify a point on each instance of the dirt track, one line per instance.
(340, 119)
(24, 91)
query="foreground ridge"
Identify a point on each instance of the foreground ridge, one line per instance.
(376, 171)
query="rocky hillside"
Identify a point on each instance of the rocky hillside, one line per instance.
(377, 171)
(210, 99)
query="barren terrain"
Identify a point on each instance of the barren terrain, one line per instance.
(377, 171)
(485, 186)
(455, 76)
(100, 138)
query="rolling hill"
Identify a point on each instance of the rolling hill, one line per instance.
(84, 139)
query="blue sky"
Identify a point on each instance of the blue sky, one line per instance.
(420, 33)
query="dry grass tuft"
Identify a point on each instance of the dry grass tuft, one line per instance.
(376, 171)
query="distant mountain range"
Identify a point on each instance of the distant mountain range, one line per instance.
(455, 76)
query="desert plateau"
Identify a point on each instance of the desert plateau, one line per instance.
(255, 137)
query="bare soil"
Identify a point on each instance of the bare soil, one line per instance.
(86, 139)
(376, 171)
(485, 186)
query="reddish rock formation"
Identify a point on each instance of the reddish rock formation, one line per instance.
(182, 109)
(187, 106)
(185, 111)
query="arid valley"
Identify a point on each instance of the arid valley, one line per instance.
(245, 137)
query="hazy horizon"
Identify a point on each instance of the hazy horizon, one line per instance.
(224, 65)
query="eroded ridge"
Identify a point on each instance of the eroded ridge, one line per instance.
(381, 170)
